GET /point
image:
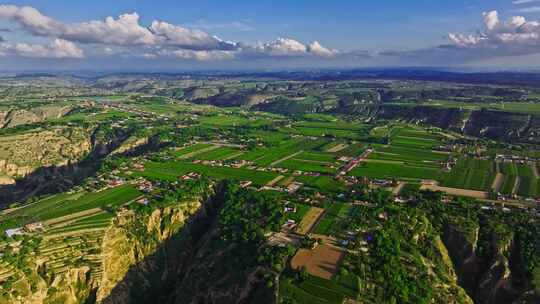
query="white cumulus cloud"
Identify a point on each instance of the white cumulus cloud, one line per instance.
(58, 48)
(290, 47)
(516, 34)
(316, 48)
(125, 36)
(125, 30)
(188, 38)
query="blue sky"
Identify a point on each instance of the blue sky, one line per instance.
(348, 33)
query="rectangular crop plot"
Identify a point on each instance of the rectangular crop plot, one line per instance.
(338, 129)
(390, 170)
(191, 149)
(470, 173)
(232, 121)
(414, 142)
(529, 187)
(309, 220)
(65, 204)
(173, 170)
(414, 138)
(410, 154)
(317, 157)
(221, 153)
(508, 184)
(330, 223)
(306, 166)
(322, 261)
(323, 183)
(275, 154)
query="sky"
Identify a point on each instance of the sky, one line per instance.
(180, 35)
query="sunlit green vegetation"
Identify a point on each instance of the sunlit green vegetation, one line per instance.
(172, 171)
(470, 173)
(66, 204)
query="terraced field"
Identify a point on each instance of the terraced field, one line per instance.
(470, 173)
(221, 153)
(322, 183)
(337, 129)
(390, 170)
(408, 156)
(68, 205)
(193, 150)
(519, 179)
(233, 121)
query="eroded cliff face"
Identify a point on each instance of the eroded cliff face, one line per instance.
(453, 119)
(136, 251)
(448, 289)
(492, 276)
(216, 273)
(131, 256)
(22, 153)
(16, 117)
(494, 124)
(132, 144)
(67, 159)
(462, 247)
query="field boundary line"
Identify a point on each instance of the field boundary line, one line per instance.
(312, 161)
(516, 185)
(337, 148)
(220, 144)
(497, 182)
(457, 191)
(417, 138)
(72, 216)
(309, 222)
(275, 180)
(234, 156)
(71, 233)
(384, 161)
(194, 153)
(286, 158)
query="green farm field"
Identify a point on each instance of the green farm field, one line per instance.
(191, 149)
(218, 154)
(395, 170)
(233, 121)
(471, 174)
(173, 170)
(66, 204)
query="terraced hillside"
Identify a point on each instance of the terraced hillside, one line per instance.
(84, 244)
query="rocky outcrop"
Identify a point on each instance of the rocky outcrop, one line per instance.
(494, 124)
(462, 246)
(440, 117)
(66, 165)
(15, 117)
(130, 246)
(22, 153)
(495, 283)
(131, 144)
(493, 277)
(500, 125)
